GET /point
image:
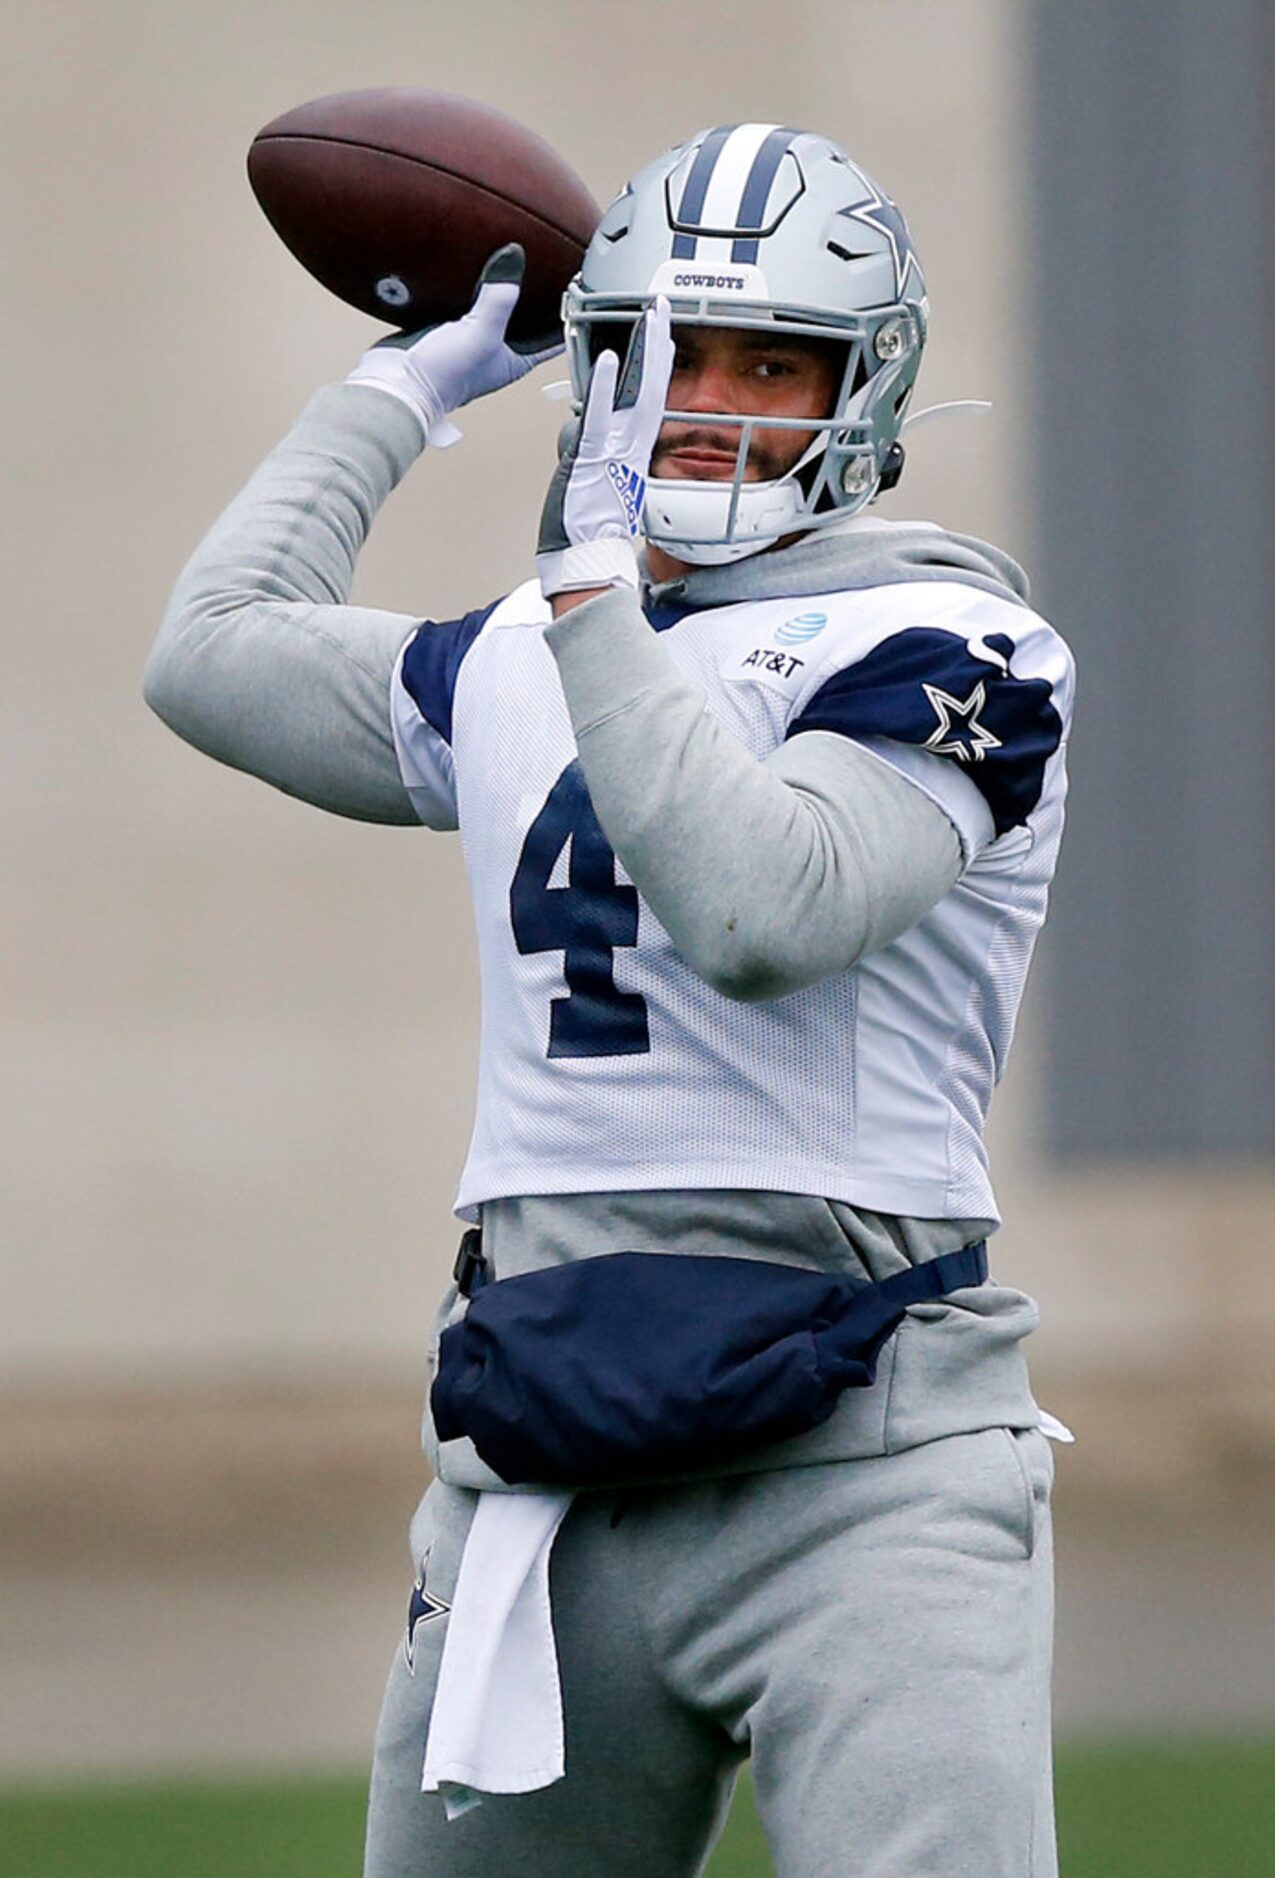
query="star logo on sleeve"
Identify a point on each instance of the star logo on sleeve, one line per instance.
(421, 1609)
(959, 732)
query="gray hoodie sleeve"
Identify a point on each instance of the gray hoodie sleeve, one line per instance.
(766, 876)
(260, 662)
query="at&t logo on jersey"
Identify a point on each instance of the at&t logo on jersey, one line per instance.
(782, 664)
(801, 629)
(631, 489)
(775, 660)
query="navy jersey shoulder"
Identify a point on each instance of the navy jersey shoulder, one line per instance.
(930, 687)
(432, 662)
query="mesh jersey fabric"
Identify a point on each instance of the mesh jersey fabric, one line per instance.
(871, 1087)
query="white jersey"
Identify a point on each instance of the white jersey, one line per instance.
(606, 1063)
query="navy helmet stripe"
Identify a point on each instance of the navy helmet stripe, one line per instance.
(752, 207)
(691, 207)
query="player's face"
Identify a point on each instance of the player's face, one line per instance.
(751, 374)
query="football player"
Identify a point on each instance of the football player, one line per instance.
(761, 797)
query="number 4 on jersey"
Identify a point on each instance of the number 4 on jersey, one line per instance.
(585, 920)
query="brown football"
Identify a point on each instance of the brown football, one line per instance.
(394, 198)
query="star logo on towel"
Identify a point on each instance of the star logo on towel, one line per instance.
(422, 1608)
(958, 720)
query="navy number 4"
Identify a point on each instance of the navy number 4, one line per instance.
(585, 920)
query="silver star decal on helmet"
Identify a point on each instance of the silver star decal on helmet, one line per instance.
(878, 212)
(958, 721)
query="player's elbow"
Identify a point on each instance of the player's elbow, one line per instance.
(753, 960)
(203, 664)
(162, 681)
(169, 680)
(750, 968)
(752, 985)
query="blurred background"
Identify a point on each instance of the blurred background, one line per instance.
(239, 1035)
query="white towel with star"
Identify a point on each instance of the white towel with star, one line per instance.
(496, 1723)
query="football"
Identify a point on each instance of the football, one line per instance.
(394, 199)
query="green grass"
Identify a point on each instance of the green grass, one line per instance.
(1183, 1810)
(310, 1829)
(1168, 1810)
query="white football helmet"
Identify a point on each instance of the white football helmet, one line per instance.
(755, 225)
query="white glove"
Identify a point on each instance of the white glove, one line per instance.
(437, 370)
(593, 510)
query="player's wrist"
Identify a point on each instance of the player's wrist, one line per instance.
(402, 402)
(587, 567)
(382, 370)
(563, 603)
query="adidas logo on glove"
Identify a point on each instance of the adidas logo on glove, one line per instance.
(631, 489)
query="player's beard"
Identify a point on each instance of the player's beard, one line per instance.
(702, 453)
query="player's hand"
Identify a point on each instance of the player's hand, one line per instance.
(437, 370)
(593, 511)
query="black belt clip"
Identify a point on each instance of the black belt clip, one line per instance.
(470, 1270)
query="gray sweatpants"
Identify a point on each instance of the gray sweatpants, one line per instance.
(874, 1634)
